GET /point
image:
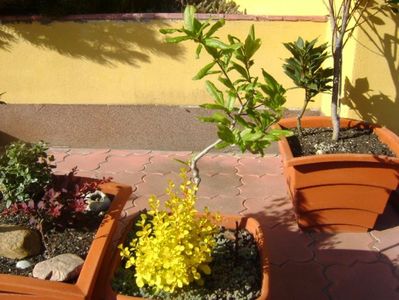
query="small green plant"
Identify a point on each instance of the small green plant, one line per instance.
(172, 248)
(248, 107)
(306, 70)
(25, 170)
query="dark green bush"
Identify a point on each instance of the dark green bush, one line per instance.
(25, 169)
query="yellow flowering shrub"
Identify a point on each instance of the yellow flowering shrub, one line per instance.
(173, 247)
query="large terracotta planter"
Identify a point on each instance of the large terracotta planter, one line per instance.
(104, 290)
(340, 192)
(19, 287)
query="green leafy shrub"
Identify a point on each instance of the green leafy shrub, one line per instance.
(172, 247)
(247, 107)
(25, 170)
(305, 68)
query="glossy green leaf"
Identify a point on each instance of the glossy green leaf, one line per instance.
(215, 27)
(177, 39)
(189, 13)
(204, 71)
(214, 92)
(225, 134)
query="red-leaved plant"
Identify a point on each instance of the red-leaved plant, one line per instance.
(63, 202)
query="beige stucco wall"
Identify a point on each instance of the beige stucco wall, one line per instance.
(125, 62)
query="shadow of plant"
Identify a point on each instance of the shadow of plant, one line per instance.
(310, 265)
(376, 106)
(103, 42)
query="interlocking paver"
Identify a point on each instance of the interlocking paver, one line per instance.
(58, 153)
(253, 165)
(156, 184)
(126, 152)
(302, 281)
(84, 162)
(221, 203)
(218, 164)
(219, 184)
(163, 164)
(388, 244)
(129, 164)
(85, 151)
(339, 248)
(287, 243)
(366, 281)
(265, 186)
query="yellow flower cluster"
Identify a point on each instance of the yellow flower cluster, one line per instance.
(173, 247)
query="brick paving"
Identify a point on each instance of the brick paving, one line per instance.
(302, 265)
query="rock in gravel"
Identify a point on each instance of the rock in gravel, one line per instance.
(18, 242)
(23, 264)
(63, 267)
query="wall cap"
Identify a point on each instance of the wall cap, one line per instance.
(161, 16)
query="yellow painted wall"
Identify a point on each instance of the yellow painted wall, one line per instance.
(108, 62)
(371, 71)
(373, 90)
(283, 7)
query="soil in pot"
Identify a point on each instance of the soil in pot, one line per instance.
(76, 239)
(235, 272)
(352, 140)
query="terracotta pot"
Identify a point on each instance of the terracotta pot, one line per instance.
(20, 287)
(340, 192)
(104, 290)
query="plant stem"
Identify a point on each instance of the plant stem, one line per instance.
(300, 115)
(194, 167)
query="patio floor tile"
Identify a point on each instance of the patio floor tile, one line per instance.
(130, 163)
(298, 281)
(84, 162)
(219, 164)
(281, 240)
(254, 165)
(156, 184)
(163, 164)
(340, 247)
(219, 184)
(221, 203)
(265, 186)
(366, 281)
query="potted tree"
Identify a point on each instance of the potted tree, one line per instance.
(244, 114)
(36, 199)
(330, 188)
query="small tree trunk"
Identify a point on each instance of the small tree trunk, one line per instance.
(336, 90)
(300, 115)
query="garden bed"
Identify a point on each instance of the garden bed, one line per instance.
(76, 239)
(236, 254)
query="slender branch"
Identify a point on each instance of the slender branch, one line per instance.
(194, 161)
(228, 78)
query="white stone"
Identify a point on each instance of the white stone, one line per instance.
(97, 202)
(23, 264)
(63, 267)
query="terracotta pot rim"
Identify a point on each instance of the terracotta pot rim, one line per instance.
(289, 160)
